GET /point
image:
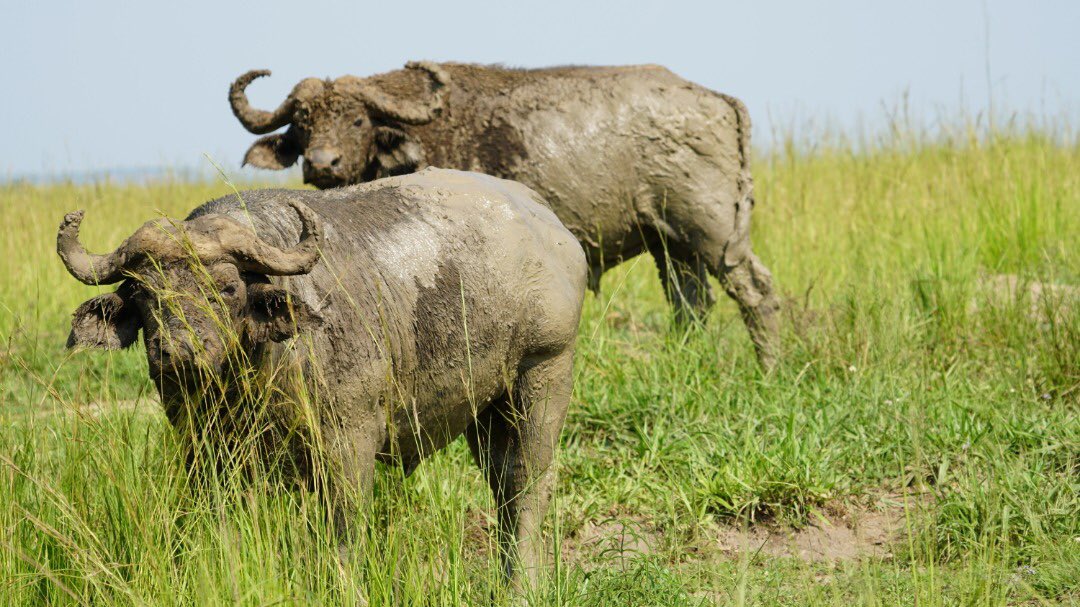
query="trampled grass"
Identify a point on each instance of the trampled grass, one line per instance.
(913, 383)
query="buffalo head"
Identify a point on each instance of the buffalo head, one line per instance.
(347, 130)
(198, 289)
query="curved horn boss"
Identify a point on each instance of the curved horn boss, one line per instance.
(224, 238)
(87, 267)
(408, 112)
(256, 255)
(259, 121)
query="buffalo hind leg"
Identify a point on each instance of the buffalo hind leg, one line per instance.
(514, 442)
(749, 283)
(686, 285)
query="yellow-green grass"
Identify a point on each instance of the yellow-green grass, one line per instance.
(907, 372)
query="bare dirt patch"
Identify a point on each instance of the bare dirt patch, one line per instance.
(1046, 302)
(620, 537)
(838, 535)
(841, 532)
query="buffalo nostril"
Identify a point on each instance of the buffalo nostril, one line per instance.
(324, 158)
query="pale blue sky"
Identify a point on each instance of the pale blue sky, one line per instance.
(107, 84)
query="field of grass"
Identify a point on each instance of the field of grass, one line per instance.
(927, 405)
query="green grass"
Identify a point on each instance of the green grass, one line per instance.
(905, 379)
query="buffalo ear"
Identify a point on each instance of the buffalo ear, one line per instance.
(107, 321)
(275, 152)
(275, 314)
(397, 153)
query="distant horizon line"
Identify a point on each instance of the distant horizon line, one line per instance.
(145, 174)
(806, 132)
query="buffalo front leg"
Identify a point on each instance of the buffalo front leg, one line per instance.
(514, 442)
(749, 283)
(350, 451)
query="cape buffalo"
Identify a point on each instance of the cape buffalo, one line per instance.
(631, 159)
(428, 306)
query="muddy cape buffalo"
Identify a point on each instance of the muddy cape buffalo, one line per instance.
(424, 307)
(631, 159)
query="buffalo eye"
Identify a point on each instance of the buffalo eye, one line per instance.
(358, 122)
(228, 290)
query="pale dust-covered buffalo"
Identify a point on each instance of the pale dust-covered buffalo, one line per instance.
(631, 159)
(423, 307)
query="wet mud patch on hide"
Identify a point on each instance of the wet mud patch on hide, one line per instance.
(500, 149)
(447, 312)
